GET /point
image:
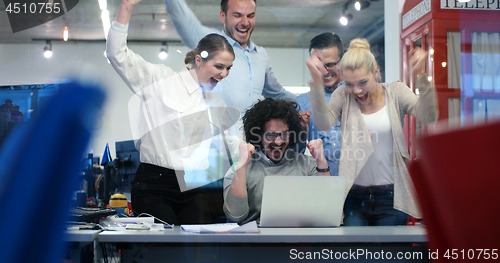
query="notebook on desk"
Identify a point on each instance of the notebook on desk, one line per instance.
(302, 201)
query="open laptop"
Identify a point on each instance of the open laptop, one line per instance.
(302, 201)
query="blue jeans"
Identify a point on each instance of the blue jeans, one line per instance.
(372, 206)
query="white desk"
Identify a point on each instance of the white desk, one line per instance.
(82, 238)
(270, 245)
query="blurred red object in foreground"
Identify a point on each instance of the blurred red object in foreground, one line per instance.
(457, 179)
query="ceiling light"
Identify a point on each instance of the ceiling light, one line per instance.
(103, 4)
(106, 24)
(65, 33)
(47, 50)
(344, 20)
(361, 4)
(163, 51)
(443, 64)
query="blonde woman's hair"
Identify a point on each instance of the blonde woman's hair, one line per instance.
(358, 55)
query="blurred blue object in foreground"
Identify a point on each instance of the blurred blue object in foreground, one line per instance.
(39, 167)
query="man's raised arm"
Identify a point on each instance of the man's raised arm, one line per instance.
(186, 23)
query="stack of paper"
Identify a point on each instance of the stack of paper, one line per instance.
(132, 223)
(250, 227)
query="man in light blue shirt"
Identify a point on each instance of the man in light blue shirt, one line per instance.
(330, 48)
(251, 75)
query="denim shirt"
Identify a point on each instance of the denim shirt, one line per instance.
(331, 138)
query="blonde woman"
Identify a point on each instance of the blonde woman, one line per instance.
(374, 153)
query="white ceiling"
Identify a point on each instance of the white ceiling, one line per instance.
(279, 23)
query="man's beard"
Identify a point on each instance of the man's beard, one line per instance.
(334, 86)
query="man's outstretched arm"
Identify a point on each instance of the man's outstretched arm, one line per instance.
(186, 23)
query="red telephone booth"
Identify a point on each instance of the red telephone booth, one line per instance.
(463, 44)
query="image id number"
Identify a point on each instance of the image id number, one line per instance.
(33, 8)
(471, 254)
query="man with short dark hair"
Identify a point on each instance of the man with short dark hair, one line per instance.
(329, 46)
(251, 75)
(271, 128)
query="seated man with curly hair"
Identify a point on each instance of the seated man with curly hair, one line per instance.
(272, 128)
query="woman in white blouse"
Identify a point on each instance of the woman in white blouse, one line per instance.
(374, 153)
(179, 121)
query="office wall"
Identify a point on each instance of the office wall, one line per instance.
(289, 65)
(392, 40)
(25, 64)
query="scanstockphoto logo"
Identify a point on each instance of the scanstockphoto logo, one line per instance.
(25, 14)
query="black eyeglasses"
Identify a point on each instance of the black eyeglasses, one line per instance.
(331, 65)
(271, 136)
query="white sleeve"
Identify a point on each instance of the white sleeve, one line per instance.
(132, 68)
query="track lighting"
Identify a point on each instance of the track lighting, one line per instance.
(163, 51)
(361, 4)
(344, 20)
(47, 50)
(358, 5)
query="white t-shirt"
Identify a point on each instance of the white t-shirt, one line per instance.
(379, 169)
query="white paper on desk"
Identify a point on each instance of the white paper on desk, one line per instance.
(250, 227)
(120, 223)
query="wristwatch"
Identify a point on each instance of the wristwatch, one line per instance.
(323, 170)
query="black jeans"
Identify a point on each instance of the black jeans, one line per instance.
(155, 191)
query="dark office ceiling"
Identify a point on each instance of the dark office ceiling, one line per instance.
(279, 23)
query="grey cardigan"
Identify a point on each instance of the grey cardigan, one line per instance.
(356, 141)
